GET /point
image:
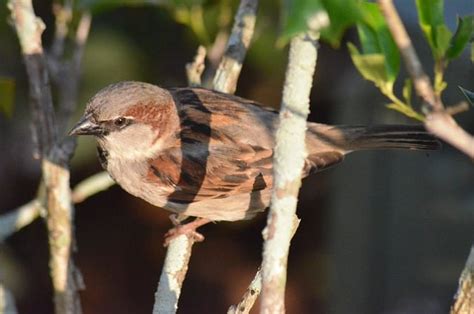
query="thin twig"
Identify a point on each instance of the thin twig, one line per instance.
(421, 81)
(194, 69)
(68, 89)
(63, 16)
(18, 218)
(288, 162)
(237, 45)
(438, 121)
(249, 297)
(22, 216)
(255, 287)
(464, 298)
(92, 185)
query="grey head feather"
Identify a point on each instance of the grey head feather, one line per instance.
(114, 100)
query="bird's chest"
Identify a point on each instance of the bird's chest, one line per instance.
(132, 176)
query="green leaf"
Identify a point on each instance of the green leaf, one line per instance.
(342, 14)
(407, 91)
(372, 68)
(468, 94)
(460, 39)
(7, 96)
(299, 12)
(406, 110)
(375, 37)
(431, 19)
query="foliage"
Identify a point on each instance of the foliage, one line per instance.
(377, 60)
(443, 44)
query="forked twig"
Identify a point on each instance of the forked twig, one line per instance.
(438, 120)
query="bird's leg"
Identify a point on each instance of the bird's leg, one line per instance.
(188, 229)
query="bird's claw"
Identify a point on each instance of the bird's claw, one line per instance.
(188, 229)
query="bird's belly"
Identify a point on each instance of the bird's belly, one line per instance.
(231, 208)
(131, 176)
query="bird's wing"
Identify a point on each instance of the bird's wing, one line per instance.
(225, 148)
(196, 175)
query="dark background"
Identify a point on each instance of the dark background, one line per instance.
(385, 232)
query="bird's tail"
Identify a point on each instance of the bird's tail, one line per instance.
(352, 138)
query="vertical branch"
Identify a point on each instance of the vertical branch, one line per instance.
(61, 237)
(237, 45)
(55, 154)
(464, 299)
(289, 156)
(29, 29)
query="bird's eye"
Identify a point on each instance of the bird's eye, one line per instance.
(120, 121)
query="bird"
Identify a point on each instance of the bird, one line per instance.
(206, 154)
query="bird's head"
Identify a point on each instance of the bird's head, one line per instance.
(129, 119)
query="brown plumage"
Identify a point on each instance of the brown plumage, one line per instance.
(207, 154)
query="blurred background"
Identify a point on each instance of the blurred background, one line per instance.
(385, 232)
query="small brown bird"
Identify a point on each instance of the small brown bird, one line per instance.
(202, 153)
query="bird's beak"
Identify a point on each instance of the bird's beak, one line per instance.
(86, 126)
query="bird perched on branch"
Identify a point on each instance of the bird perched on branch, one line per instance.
(206, 154)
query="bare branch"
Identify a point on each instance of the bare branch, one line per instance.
(290, 153)
(68, 89)
(55, 154)
(19, 218)
(255, 287)
(237, 45)
(194, 69)
(446, 128)
(92, 185)
(29, 29)
(63, 16)
(438, 121)
(172, 275)
(61, 238)
(421, 81)
(464, 299)
(22, 216)
(250, 296)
